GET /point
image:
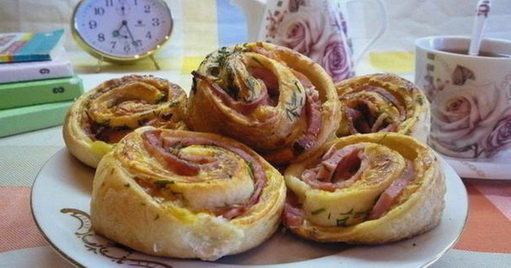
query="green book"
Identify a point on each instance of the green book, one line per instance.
(23, 119)
(40, 91)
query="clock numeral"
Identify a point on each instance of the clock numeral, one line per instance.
(101, 37)
(113, 44)
(44, 71)
(109, 3)
(148, 35)
(135, 2)
(93, 24)
(156, 22)
(127, 48)
(137, 43)
(147, 9)
(98, 11)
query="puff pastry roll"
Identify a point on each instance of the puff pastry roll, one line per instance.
(106, 113)
(367, 189)
(186, 195)
(383, 103)
(277, 101)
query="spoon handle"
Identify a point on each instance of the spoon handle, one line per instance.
(483, 8)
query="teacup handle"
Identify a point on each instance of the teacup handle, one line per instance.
(377, 35)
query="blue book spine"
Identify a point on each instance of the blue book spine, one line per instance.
(38, 47)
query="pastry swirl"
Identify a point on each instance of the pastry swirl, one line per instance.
(383, 103)
(106, 113)
(186, 195)
(365, 188)
(277, 101)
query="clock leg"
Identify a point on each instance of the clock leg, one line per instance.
(156, 65)
(98, 66)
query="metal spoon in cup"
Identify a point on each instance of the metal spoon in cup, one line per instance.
(483, 8)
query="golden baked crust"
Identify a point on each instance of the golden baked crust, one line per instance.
(106, 113)
(186, 195)
(277, 101)
(383, 102)
(365, 188)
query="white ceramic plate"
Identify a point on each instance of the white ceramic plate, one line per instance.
(495, 168)
(60, 206)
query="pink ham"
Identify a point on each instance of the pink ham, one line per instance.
(363, 117)
(389, 97)
(389, 197)
(338, 169)
(239, 106)
(309, 135)
(314, 122)
(270, 81)
(158, 143)
(153, 144)
(293, 214)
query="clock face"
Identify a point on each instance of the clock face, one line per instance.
(122, 28)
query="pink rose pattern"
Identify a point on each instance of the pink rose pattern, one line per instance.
(466, 123)
(314, 29)
(334, 59)
(500, 136)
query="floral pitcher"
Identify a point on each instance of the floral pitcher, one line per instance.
(315, 28)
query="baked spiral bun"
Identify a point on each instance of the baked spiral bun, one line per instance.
(106, 113)
(186, 195)
(365, 189)
(274, 99)
(383, 103)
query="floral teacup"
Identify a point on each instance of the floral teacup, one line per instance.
(470, 95)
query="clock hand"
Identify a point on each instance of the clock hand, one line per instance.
(117, 33)
(125, 23)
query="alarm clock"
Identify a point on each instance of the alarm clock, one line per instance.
(121, 31)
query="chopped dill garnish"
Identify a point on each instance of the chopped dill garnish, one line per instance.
(318, 211)
(162, 183)
(223, 53)
(342, 222)
(419, 100)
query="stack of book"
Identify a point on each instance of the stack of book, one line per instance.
(37, 81)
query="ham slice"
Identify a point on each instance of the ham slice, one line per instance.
(158, 144)
(365, 118)
(314, 122)
(309, 135)
(338, 169)
(389, 197)
(293, 214)
(389, 97)
(238, 105)
(179, 166)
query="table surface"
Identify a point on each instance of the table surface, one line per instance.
(485, 242)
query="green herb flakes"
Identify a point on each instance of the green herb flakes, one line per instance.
(162, 183)
(318, 211)
(342, 222)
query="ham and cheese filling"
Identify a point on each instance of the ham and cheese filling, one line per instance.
(348, 185)
(198, 173)
(382, 103)
(119, 106)
(372, 109)
(257, 86)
